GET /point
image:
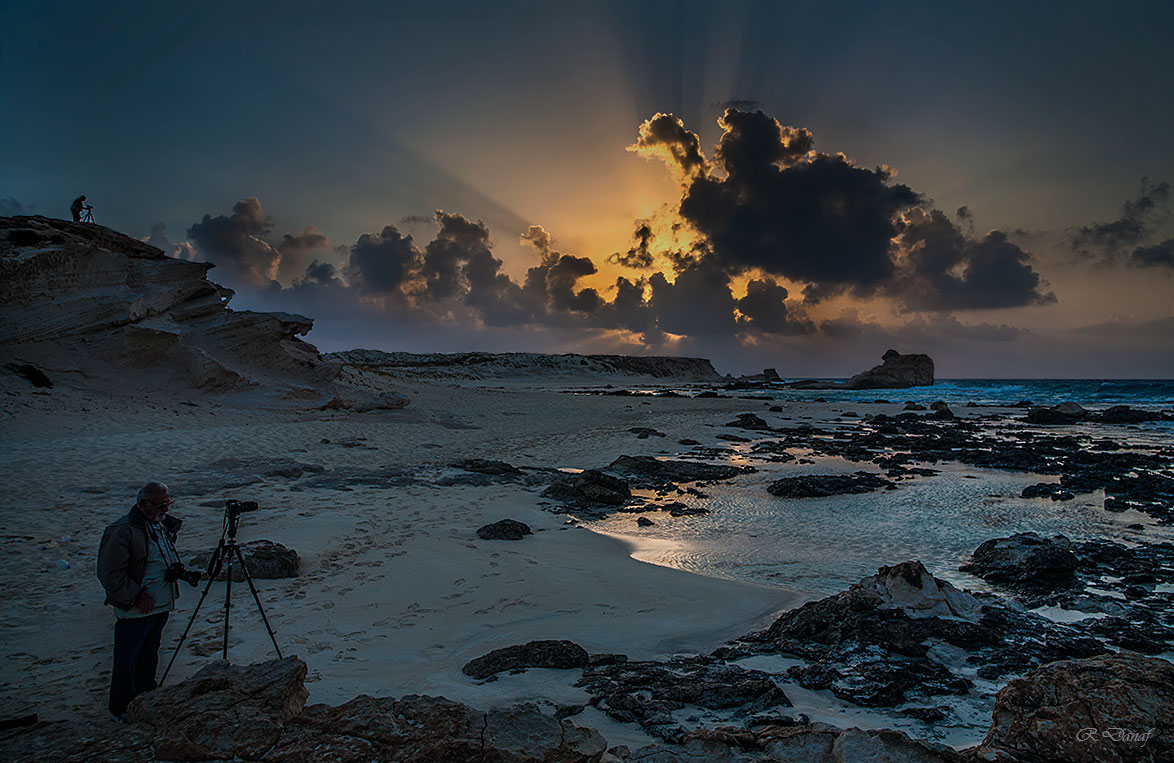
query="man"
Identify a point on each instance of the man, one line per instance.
(133, 559)
(76, 208)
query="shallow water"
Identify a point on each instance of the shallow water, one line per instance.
(824, 545)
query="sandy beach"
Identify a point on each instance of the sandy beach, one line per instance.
(396, 591)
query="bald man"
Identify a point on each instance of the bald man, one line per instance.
(133, 559)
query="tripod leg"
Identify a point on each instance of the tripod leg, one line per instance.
(195, 613)
(257, 601)
(228, 594)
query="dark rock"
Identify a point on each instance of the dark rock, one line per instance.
(646, 471)
(775, 409)
(912, 406)
(643, 433)
(223, 711)
(896, 371)
(591, 487)
(822, 485)
(678, 509)
(535, 654)
(731, 438)
(505, 529)
(264, 559)
(1123, 414)
(644, 522)
(749, 421)
(688, 441)
(1025, 562)
(1064, 413)
(927, 714)
(486, 466)
(1125, 700)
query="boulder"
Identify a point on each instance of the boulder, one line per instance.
(1064, 413)
(1107, 709)
(264, 559)
(1123, 414)
(535, 654)
(486, 466)
(1025, 562)
(646, 471)
(223, 711)
(505, 529)
(749, 421)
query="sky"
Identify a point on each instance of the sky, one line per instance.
(767, 184)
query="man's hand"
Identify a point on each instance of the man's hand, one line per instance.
(145, 603)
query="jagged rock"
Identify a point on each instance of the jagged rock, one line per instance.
(589, 488)
(505, 529)
(535, 654)
(646, 471)
(644, 522)
(1112, 708)
(871, 644)
(363, 401)
(223, 711)
(82, 298)
(1025, 562)
(822, 485)
(264, 559)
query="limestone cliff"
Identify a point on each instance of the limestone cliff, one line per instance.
(95, 309)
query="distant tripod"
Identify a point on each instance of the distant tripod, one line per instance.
(89, 217)
(227, 550)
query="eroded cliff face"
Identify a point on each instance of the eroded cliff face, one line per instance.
(94, 308)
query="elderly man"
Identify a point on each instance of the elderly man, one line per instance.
(133, 559)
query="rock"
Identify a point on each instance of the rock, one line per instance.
(688, 441)
(749, 421)
(486, 466)
(1072, 410)
(264, 559)
(589, 488)
(912, 406)
(1025, 562)
(644, 522)
(1111, 708)
(1123, 414)
(351, 397)
(822, 485)
(505, 529)
(643, 433)
(1064, 413)
(535, 654)
(422, 729)
(939, 405)
(646, 471)
(896, 371)
(678, 509)
(223, 711)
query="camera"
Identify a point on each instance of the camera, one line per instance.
(236, 508)
(178, 572)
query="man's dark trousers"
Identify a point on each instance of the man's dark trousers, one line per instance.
(136, 658)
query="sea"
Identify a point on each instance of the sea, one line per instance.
(824, 545)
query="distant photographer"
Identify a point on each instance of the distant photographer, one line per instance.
(139, 568)
(76, 208)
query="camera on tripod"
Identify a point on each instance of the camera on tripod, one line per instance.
(178, 572)
(236, 508)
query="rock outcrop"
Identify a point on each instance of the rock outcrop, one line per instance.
(535, 654)
(897, 371)
(89, 307)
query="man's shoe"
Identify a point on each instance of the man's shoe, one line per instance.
(119, 718)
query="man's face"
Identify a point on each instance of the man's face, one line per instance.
(156, 506)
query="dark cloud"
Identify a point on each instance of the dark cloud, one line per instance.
(764, 309)
(639, 256)
(918, 331)
(742, 104)
(810, 218)
(298, 250)
(322, 274)
(1135, 224)
(664, 136)
(697, 303)
(160, 240)
(10, 207)
(944, 270)
(381, 262)
(239, 243)
(1159, 255)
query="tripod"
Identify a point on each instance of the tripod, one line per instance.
(227, 550)
(89, 216)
